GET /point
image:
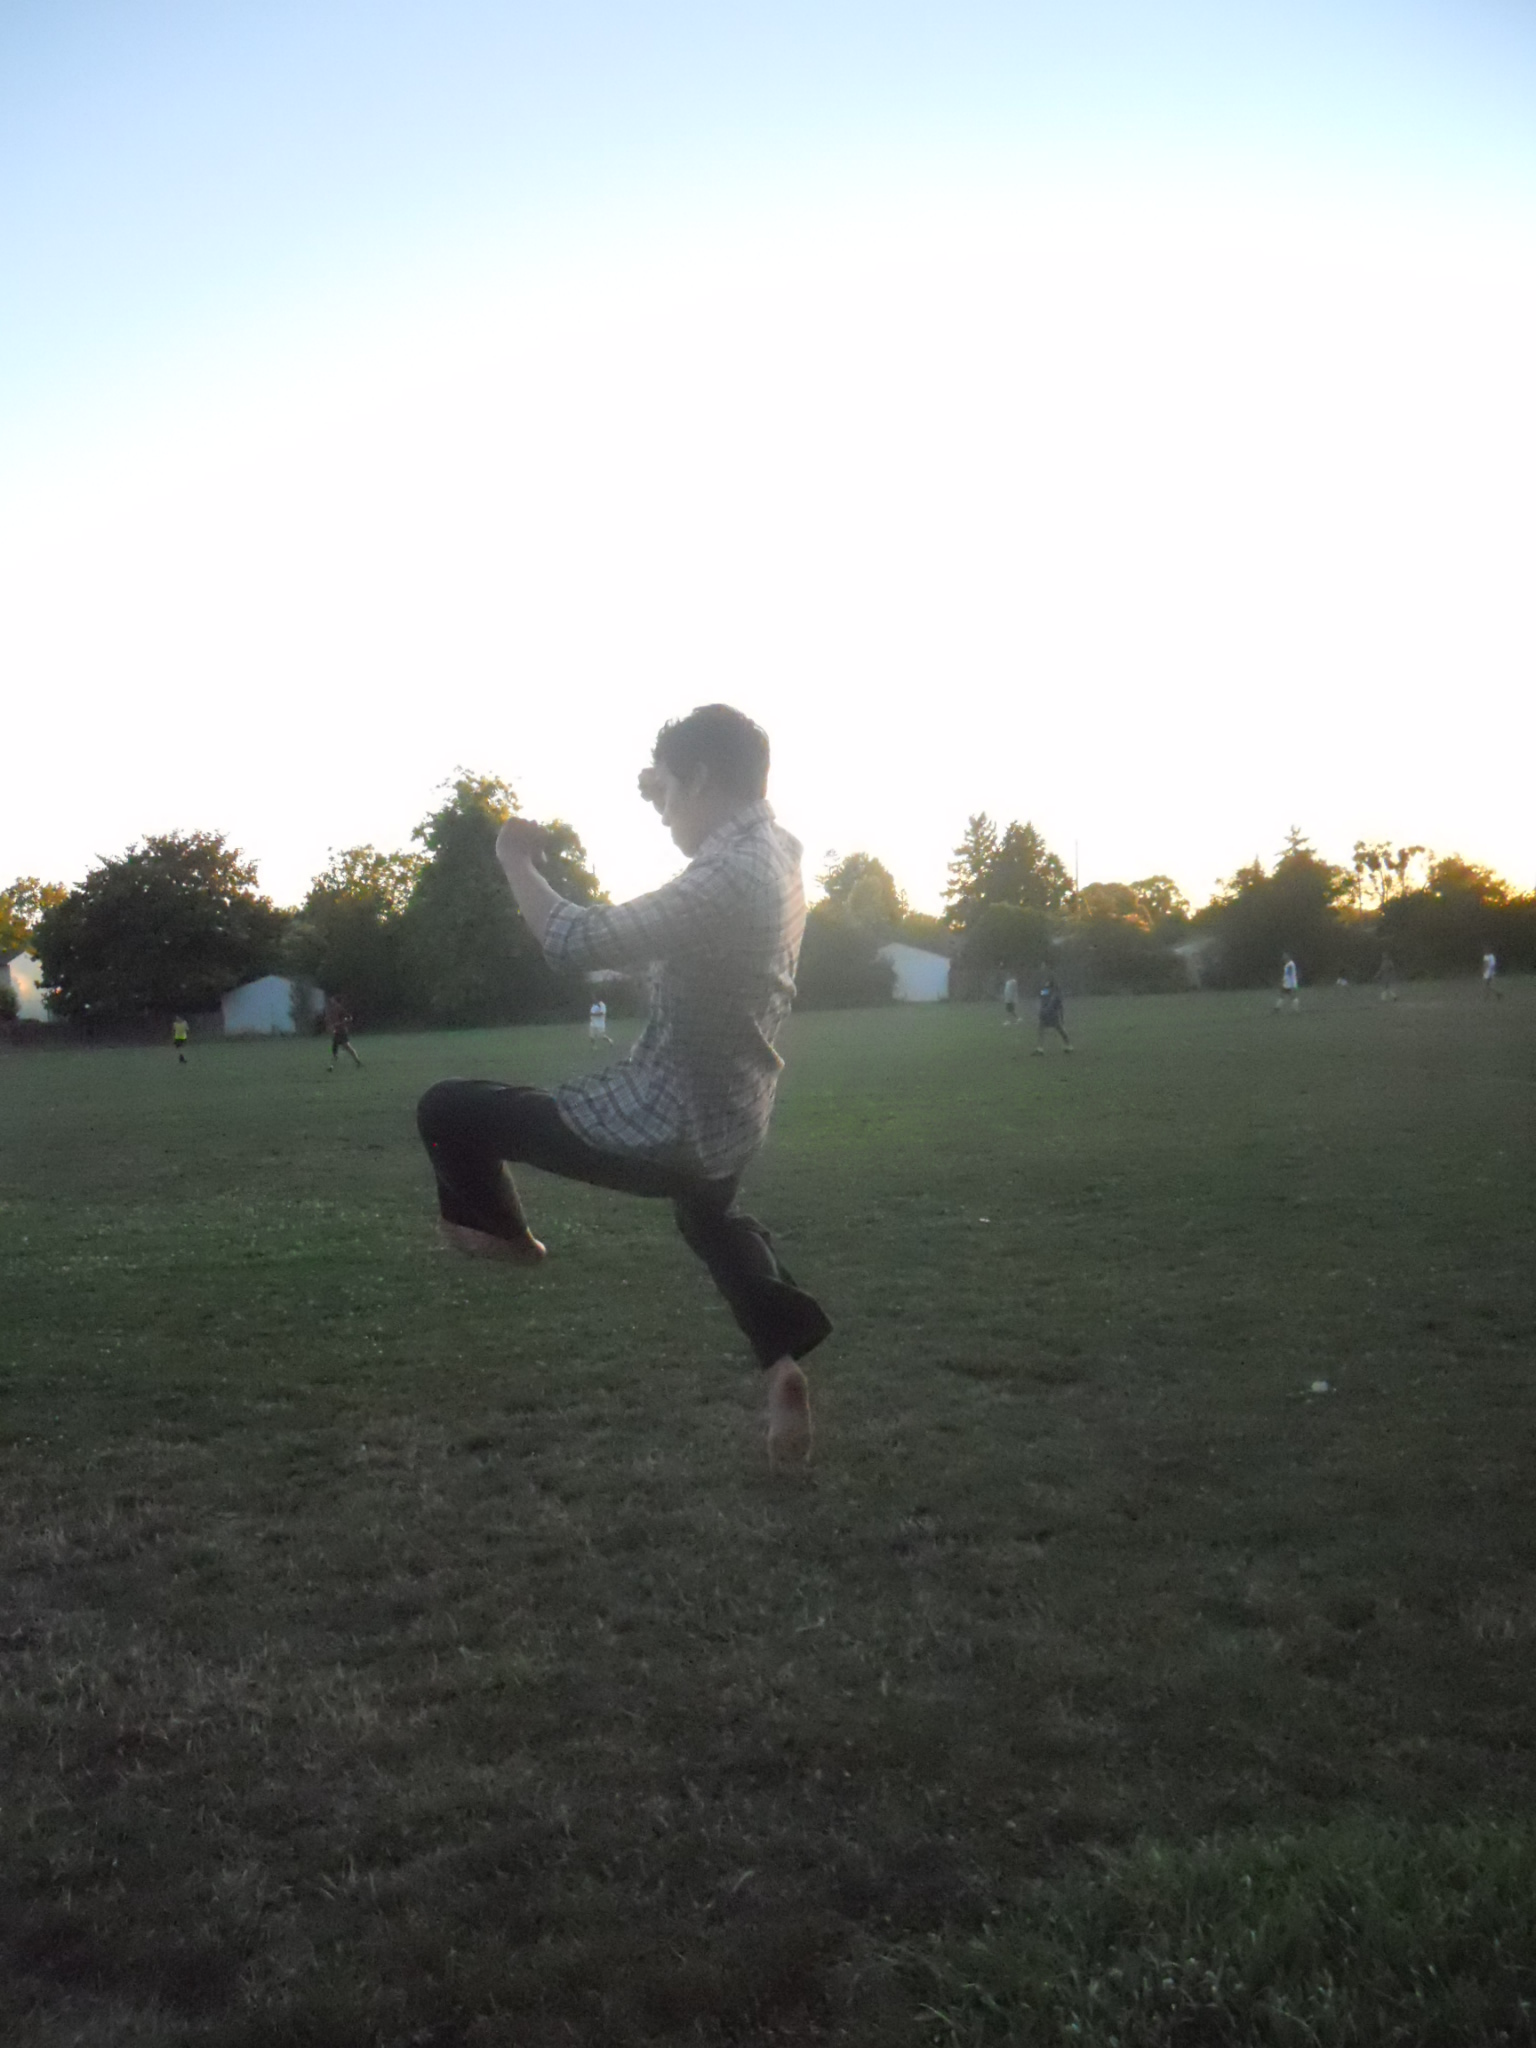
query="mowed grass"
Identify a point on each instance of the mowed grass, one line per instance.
(397, 1650)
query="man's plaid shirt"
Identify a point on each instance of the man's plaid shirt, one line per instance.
(721, 942)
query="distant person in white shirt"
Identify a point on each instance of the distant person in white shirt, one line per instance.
(1011, 1000)
(597, 1024)
(1490, 977)
(1386, 974)
(1290, 985)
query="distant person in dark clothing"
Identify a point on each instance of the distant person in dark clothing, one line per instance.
(339, 1024)
(1052, 1018)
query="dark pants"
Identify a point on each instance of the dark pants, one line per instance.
(471, 1129)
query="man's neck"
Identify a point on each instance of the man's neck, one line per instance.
(717, 816)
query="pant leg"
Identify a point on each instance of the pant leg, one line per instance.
(471, 1129)
(777, 1318)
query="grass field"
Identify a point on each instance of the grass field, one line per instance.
(398, 1650)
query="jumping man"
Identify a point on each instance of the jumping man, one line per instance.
(681, 1116)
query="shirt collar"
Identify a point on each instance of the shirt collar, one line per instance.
(759, 813)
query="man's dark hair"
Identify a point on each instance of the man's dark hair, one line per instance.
(726, 742)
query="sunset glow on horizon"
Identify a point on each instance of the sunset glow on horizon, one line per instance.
(1129, 433)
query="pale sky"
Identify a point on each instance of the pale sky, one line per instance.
(1113, 416)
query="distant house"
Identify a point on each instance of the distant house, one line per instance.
(269, 1006)
(25, 972)
(920, 977)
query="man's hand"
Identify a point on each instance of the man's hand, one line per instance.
(520, 839)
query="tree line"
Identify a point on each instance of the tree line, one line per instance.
(430, 935)
(1011, 906)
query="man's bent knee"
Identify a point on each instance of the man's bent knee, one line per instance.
(440, 1112)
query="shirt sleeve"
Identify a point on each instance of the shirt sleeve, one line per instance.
(676, 918)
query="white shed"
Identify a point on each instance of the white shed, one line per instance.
(268, 1006)
(26, 977)
(920, 977)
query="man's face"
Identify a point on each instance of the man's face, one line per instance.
(688, 809)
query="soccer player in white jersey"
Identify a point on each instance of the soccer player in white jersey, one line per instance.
(597, 1024)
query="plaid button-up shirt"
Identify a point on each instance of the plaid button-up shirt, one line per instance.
(721, 943)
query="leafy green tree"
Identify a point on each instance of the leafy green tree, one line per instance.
(1462, 911)
(1381, 872)
(1153, 902)
(171, 924)
(966, 891)
(1014, 866)
(1100, 901)
(840, 965)
(468, 955)
(1024, 871)
(347, 937)
(1259, 918)
(21, 905)
(1161, 901)
(867, 890)
(1453, 880)
(1117, 939)
(9, 1002)
(1006, 894)
(932, 934)
(1004, 938)
(383, 879)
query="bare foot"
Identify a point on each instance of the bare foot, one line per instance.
(789, 1418)
(481, 1244)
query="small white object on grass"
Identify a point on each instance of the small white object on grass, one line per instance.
(1321, 1387)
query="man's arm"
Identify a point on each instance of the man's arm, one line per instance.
(696, 912)
(516, 844)
(692, 910)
